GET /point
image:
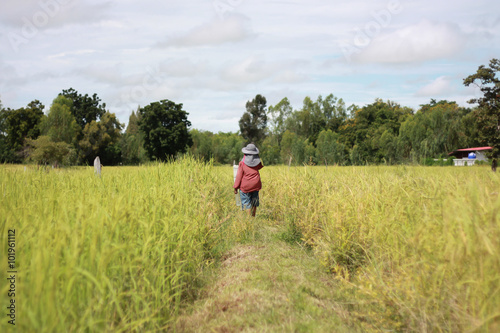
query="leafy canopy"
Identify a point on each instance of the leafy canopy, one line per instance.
(165, 127)
(254, 121)
(488, 112)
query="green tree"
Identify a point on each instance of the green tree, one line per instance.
(19, 125)
(488, 112)
(315, 116)
(132, 142)
(85, 108)
(309, 153)
(60, 124)
(270, 150)
(101, 138)
(365, 130)
(278, 116)
(435, 130)
(388, 144)
(254, 121)
(202, 146)
(45, 151)
(227, 147)
(328, 149)
(310, 119)
(5, 153)
(335, 112)
(293, 148)
(165, 127)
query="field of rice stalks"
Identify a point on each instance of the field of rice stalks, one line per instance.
(116, 253)
(413, 248)
(410, 248)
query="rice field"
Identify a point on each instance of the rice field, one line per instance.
(409, 248)
(413, 248)
(116, 253)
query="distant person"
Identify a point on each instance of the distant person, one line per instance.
(248, 179)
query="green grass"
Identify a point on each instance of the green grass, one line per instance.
(116, 253)
(163, 246)
(266, 285)
(414, 248)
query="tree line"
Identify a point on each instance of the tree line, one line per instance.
(324, 130)
(327, 131)
(77, 128)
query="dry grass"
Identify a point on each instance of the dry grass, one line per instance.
(265, 286)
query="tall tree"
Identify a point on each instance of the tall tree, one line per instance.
(364, 132)
(436, 129)
(270, 150)
(335, 112)
(254, 121)
(202, 147)
(132, 142)
(165, 127)
(227, 147)
(19, 125)
(60, 124)
(488, 113)
(310, 119)
(293, 148)
(278, 116)
(329, 150)
(101, 138)
(85, 108)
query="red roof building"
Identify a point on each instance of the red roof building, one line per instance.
(464, 153)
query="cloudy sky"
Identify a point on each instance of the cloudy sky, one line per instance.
(214, 55)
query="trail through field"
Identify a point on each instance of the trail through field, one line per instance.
(266, 284)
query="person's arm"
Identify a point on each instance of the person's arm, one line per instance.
(239, 176)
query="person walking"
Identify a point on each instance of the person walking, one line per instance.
(248, 179)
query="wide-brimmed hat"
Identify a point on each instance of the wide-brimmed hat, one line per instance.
(251, 152)
(252, 160)
(250, 149)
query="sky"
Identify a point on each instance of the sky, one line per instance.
(215, 55)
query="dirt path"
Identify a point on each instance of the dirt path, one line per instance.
(266, 285)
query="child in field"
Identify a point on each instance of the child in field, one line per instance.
(248, 179)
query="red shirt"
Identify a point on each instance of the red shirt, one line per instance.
(248, 178)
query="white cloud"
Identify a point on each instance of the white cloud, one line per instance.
(282, 48)
(252, 69)
(290, 76)
(183, 68)
(235, 28)
(416, 43)
(439, 87)
(255, 68)
(70, 54)
(50, 13)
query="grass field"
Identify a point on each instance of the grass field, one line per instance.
(402, 248)
(414, 248)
